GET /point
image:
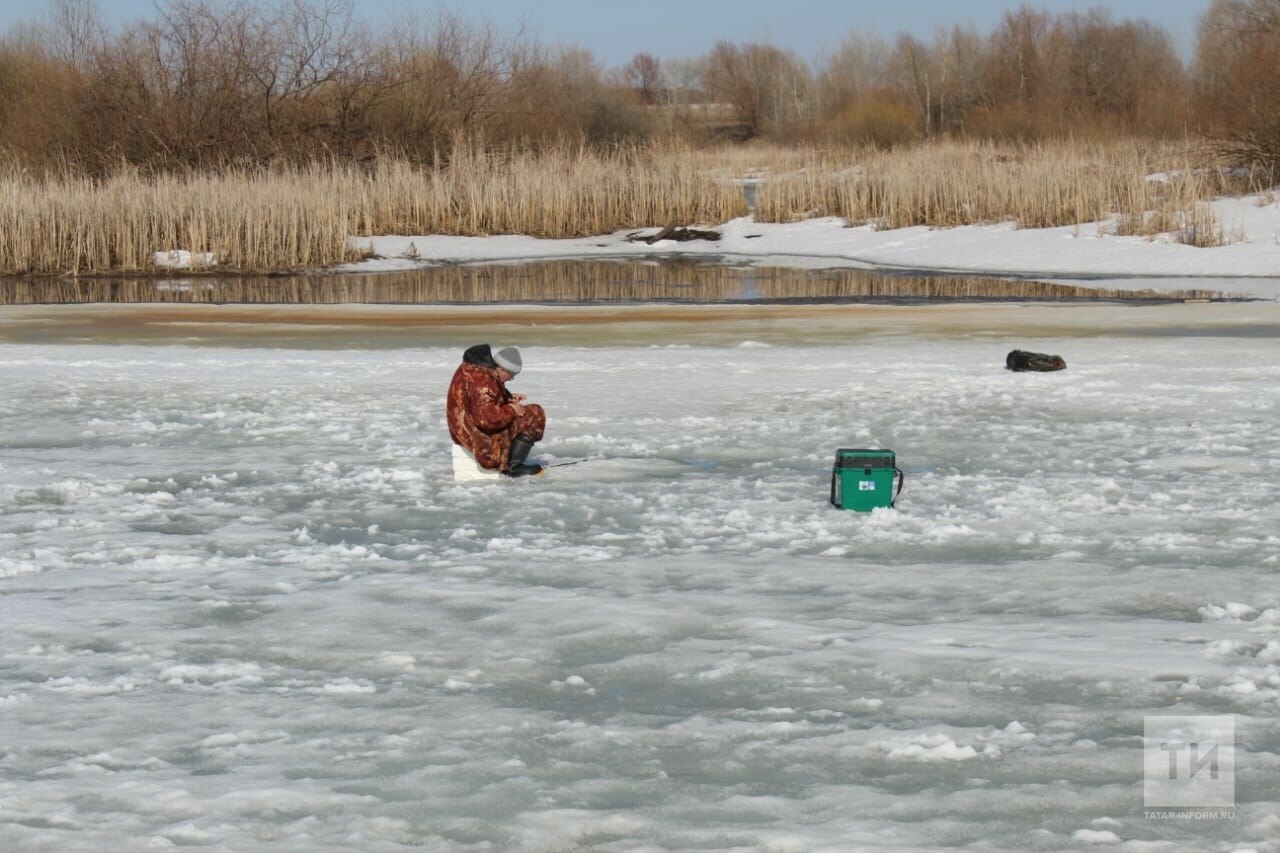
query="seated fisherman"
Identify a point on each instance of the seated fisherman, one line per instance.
(496, 426)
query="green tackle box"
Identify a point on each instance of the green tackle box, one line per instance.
(864, 479)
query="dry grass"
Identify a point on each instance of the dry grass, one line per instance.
(1040, 185)
(73, 226)
(294, 218)
(301, 217)
(567, 191)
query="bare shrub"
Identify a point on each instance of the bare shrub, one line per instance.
(1237, 53)
(1124, 75)
(38, 95)
(769, 88)
(1012, 122)
(879, 122)
(644, 74)
(446, 77)
(566, 96)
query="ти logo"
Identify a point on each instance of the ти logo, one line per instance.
(1189, 762)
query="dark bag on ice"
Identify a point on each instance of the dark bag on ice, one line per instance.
(1023, 360)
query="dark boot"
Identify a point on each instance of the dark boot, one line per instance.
(517, 467)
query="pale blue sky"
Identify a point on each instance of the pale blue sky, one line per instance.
(683, 29)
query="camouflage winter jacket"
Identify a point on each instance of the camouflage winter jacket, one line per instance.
(479, 409)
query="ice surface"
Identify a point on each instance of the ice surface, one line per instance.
(246, 607)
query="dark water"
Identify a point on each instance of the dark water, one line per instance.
(572, 282)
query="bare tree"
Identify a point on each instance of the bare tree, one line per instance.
(681, 88)
(918, 76)
(202, 69)
(767, 87)
(567, 95)
(450, 78)
(209, 84)
(644, 74)
(321, 81)
(1094, 72)
(77, 32)
(959, 57)
(1238, 81)
(1016, 66)
(859, 67)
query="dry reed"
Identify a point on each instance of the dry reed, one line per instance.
(303, 217)
(1039, 185)
(74, 225)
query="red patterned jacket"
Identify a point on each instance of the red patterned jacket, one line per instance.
(480, 413)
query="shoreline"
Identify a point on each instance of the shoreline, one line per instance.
(354, 324)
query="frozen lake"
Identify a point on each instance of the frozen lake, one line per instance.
(246, 608)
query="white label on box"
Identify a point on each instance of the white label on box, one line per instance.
(866, 485)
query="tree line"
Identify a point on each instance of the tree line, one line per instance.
(213, 84)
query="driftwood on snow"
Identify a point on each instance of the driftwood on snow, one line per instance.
(675, 232)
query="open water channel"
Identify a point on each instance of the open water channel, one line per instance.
(583, 282)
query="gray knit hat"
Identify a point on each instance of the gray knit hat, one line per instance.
(508, 358)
